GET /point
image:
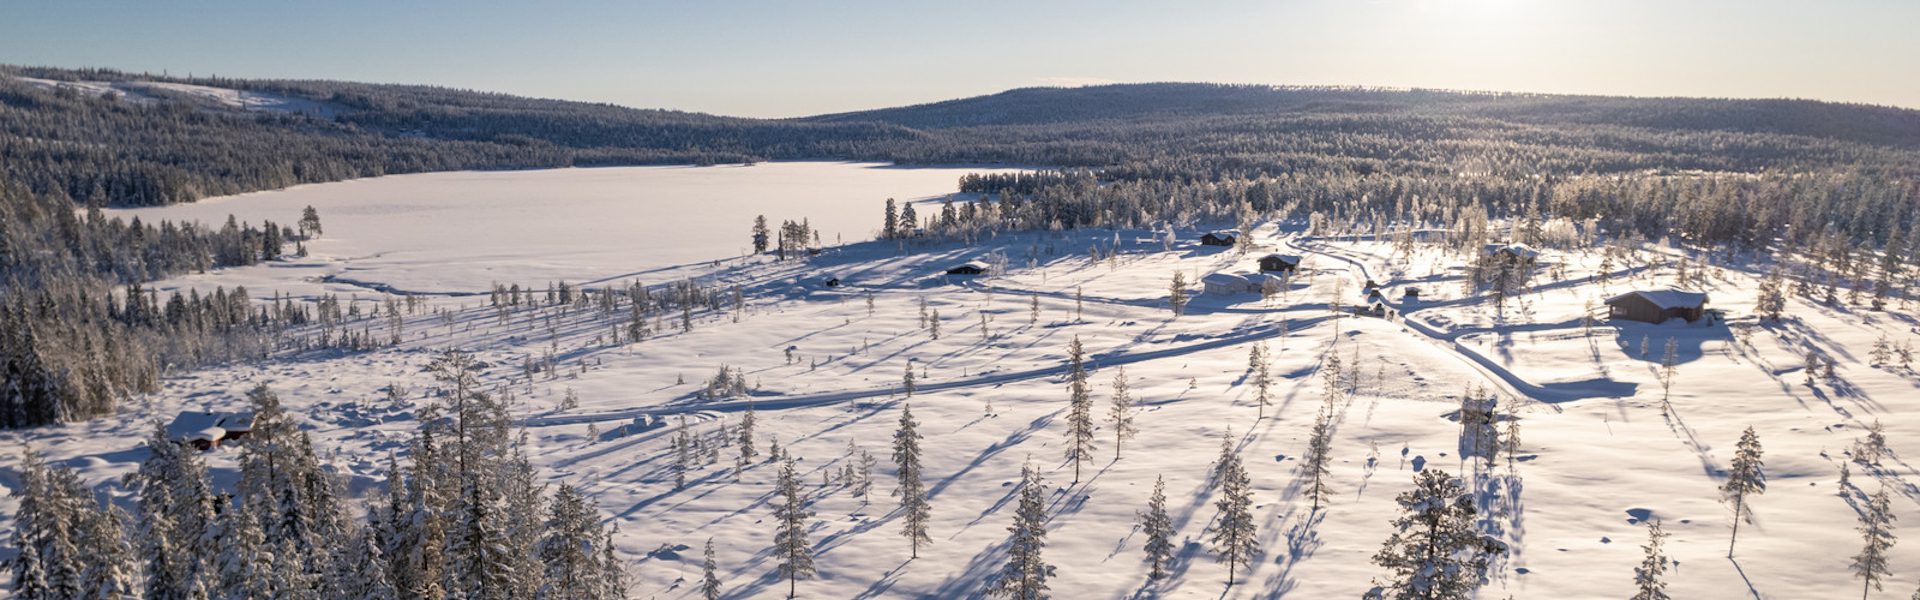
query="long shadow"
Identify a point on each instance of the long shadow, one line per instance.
(1745, 579)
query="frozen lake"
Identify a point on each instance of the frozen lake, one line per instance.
(461, 231)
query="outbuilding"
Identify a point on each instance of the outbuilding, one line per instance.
(1657, 306)
(1280, 263)
(972, 267)
(206, 430)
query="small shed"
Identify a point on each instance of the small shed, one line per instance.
(1657, 306)
(1228, 283)
(1222, 237)
(830, 281)
(1280, 263)
(972, 267)
(1410, 292)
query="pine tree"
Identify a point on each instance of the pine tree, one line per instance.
(1235, 532)
(1647, 577)
(709, 576)
(1669, 369)
(1319, 451)
(1434, 553)
(790, 531)
(863, 478)
(1025, 575)
(906, 381)
(1876, 527)
(1120, 412)
(1079, 409)
(480, 565)
(910, 490)
(1746, 477)
(1159, 530)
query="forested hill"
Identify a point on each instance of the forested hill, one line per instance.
(1149, 102)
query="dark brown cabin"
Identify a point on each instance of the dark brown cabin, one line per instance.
(1280, 262)
(1657, 306)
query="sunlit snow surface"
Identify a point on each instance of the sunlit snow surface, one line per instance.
(461, 231)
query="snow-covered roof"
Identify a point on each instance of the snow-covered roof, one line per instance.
(1286, 258)
(190, 426)
(1225, 233)
(1667, 298)
(1231, 279)
(237, 421)
(977, 264)
(1519, 250)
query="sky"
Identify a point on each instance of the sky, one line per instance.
(794, 58)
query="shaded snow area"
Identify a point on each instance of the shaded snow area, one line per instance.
(1599, 454)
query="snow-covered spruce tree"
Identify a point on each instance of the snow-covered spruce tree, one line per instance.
(416, 553)
(361, 574)
(760, 233)
(47, 532)
(480, 563)
(1746, 478)
(906, 381)
(916, 512)
(1025, 575)
(176, 509)
(1262, 378)
(1079, 408)
(1120, 411)
(709, 575)
(246, 563)
(1235, 533)
(933, 324)
(747, 451)
(1647, 581)
(1158, 528)
(1319, 452)
(1434, 553)
(1876, 528)
(567, 551)
(790, 545)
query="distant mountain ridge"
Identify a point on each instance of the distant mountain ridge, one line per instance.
(1146, 102)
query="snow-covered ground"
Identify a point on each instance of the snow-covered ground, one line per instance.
(153, 91)
(1599, 455)
(459, 232)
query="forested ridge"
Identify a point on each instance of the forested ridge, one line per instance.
(1731, 174)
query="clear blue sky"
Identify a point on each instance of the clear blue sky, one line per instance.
(804, 57)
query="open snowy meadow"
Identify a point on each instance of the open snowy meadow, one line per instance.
(1601, 428)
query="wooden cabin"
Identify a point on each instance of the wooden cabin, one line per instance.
(1228, 283)
(1410, 293)
(208, 430)
(1657, 306)
(1280, 263)
(830, 281)
(1223, 237)
(972, 267)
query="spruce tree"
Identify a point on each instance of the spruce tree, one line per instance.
(1159, 530)
(1235, 533)
(790, 545)
(1177, 294)
(566, 550)
(709, 575)
(1025, 575)
(1746, 477)
(911, 491)
(1434, 553)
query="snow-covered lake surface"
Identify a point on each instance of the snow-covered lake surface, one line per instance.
(462, 231)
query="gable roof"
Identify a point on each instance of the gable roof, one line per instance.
(1667, 298)
(1286, 258)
